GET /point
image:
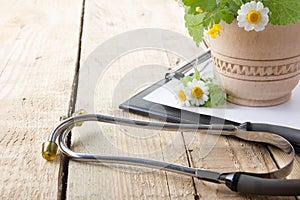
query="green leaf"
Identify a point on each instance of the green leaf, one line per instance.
(216, 95)
(228, 17)
(189, 2)
(193, 20)
(192, 8)
(194, 26)
(207, 104)
(213, 17)
(185, 80)
(196, 74)
(197, 33)
(283, 12)
(237, 2)
(208, 5)
(229, 9)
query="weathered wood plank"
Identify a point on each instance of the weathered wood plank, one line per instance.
(102, 21)
(110, 182)
(38, 52)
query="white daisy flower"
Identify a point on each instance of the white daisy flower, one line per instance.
(181, 94)
(197, 92)
(253, 16)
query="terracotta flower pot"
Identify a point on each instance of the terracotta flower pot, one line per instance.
(257, 68)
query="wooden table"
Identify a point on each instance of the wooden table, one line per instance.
(43, 45)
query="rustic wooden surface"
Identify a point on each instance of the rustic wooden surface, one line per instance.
(42, 43)
(38, 55)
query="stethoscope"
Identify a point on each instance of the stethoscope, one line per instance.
(272, 183)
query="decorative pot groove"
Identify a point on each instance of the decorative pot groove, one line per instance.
(257, 72)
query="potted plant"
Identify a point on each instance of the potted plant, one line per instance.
(255, 46)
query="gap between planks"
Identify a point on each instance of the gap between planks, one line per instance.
(64, 162)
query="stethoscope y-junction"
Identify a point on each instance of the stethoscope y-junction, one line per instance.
(271, 183)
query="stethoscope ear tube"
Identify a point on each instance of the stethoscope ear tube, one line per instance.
(290, 134)
(244, 182)
(247, 184)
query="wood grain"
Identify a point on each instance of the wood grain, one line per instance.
(38, 52)
(39, 45)
(126, 183)
(102, 21)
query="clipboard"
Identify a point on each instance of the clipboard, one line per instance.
(285, 114)
(138, 105)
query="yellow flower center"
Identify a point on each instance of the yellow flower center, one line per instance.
(253, 17)
(181, 95)
(197, 92)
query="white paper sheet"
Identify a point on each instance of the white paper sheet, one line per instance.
(286, 114)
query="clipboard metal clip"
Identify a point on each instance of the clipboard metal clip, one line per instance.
(179, 71)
